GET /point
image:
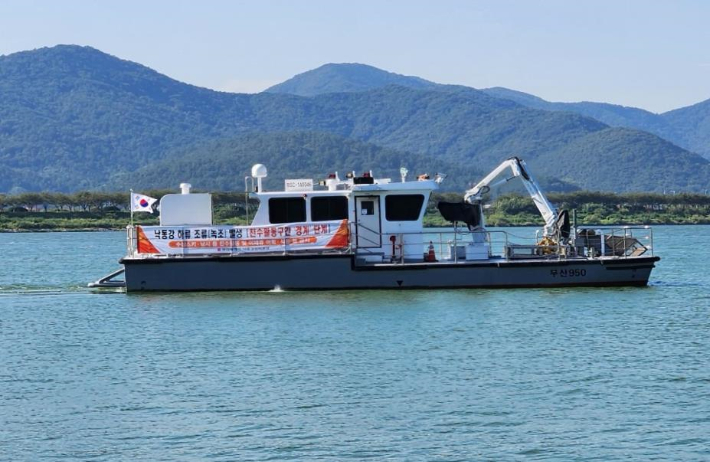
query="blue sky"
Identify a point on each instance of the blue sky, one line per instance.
(651, 54)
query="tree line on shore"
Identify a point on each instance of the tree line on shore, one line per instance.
(91, 201)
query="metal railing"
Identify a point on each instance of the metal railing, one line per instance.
(455, 245)
(354, 230)
(623, 241)
(450, 246)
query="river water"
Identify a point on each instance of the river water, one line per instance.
(461, 375)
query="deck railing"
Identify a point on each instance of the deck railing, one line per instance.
(619, 242)
(452, 245)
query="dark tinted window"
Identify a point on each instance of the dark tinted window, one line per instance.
(406, 207)
(329, 208)
(287, 210)
(367, 208)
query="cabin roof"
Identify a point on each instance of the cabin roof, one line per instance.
(408, 186)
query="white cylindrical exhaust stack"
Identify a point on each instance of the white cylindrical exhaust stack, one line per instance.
(258, 171)
(185, 188)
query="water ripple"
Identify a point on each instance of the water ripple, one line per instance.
(563, 374)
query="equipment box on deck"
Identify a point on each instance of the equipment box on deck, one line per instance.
(477, 251)
(457, 252)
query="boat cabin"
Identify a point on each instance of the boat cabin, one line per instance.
(385, 218)
(377, 221)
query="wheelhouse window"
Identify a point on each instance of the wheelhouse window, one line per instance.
(329, 208)
(403, 207)
(287, 210)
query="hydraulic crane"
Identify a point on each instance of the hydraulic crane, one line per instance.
(556, 224)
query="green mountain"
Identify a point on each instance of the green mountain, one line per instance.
(688, 127)
(222, 164)
(611, 114)
(75, 118)
(72, 116)
(632, 155)
(348, 77)
(691, 127)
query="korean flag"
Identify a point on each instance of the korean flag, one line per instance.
(141, 203)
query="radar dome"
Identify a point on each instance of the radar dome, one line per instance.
(258, 171)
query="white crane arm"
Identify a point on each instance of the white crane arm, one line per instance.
(518, 168)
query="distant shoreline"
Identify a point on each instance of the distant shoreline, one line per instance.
(490, 225)
(96, 213)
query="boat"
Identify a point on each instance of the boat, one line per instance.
(362, 232)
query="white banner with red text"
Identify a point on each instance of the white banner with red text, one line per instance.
(189, 240)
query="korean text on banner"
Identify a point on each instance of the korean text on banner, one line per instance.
(166, 240)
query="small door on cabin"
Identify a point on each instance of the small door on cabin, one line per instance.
(367, 222)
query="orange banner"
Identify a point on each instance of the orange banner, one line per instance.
(171, 240)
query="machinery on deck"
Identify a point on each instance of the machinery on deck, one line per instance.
(557, 225)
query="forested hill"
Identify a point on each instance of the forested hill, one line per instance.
(75, 118)
(72, 116)
(688, 127)
(611, 114)
(341, 78)
(691, 126)
(220, 165)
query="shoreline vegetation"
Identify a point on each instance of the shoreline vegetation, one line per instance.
(97, 211)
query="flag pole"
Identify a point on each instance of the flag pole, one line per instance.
(130, 204)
